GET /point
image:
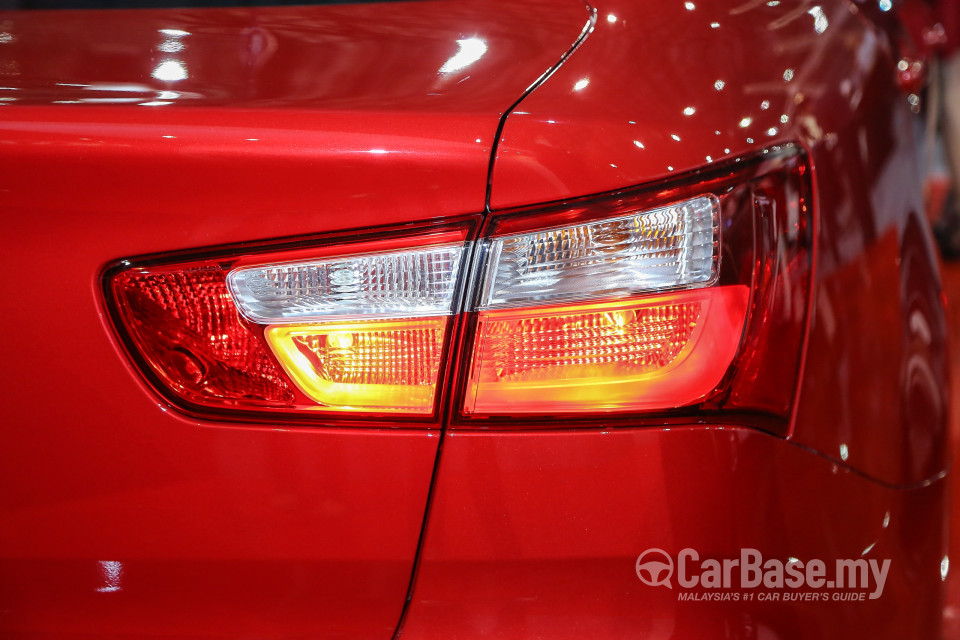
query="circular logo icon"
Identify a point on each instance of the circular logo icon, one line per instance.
(655, 568)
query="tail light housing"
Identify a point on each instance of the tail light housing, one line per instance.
(644, 306)
(340, 329)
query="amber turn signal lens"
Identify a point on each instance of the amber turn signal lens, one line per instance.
(658, 351)
(386, 365)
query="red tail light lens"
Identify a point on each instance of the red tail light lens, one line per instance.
(688, 298)
(186, 327)
(639, 305)
(653, 352)
(355, 329)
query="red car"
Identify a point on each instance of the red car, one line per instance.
(442, 319)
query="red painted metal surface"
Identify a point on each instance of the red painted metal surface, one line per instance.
(119, 516)
(285, 120)
(707, 82)
(536, 535)
(134, 132)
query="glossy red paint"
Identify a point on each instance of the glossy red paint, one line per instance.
(533, 534)
(118, 516)
(123, 519)
(694, 90)
(263, 128)
(627, 110)
(536, 535)
(126, 133)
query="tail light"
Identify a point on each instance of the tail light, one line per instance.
(350, 327)
(611, 346)
(636, 306)
(651, 302)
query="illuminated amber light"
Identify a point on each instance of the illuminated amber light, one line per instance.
(386, 365)
(653, 351)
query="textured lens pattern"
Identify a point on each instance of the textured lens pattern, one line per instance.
(187, 327)
(409, 356)
(623, 342)
(406, 283)
(387, 365)
(664, 248)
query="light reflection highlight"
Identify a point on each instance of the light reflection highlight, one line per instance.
(170, 71)
(112, 572)
(171, 45)
(581, 84)
(471, 50)
(820, 22)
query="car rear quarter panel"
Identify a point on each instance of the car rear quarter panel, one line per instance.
(669, 87)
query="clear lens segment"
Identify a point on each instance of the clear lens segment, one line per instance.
(676, 246)
(419, 283)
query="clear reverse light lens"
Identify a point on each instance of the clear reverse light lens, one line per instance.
(418, 283)
(670, 247)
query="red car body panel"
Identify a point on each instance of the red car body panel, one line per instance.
(270, 134)
(290, 121)
(532, 535)
(120, 516)
(627, 110)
